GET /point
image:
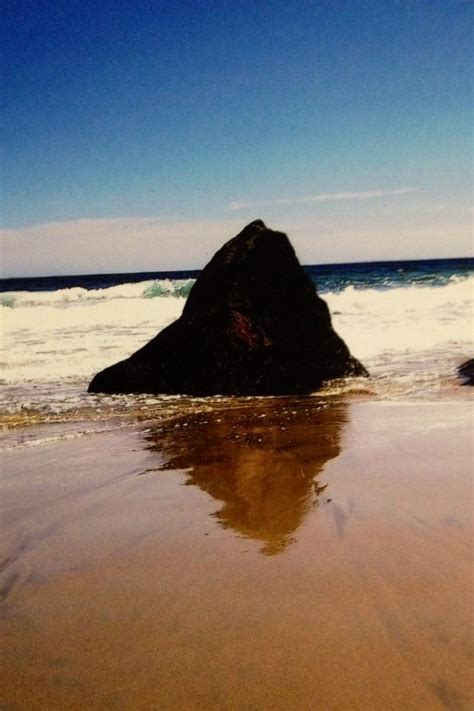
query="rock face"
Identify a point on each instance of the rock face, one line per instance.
(253, 324)
(466, 372)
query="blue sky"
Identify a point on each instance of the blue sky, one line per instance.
(138, 126)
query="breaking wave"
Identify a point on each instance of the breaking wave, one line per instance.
(70, 334)
(178, 288)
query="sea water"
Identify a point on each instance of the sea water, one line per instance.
(409, 322)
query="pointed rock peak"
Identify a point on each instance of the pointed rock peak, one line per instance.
(256, 224)
(255, 234)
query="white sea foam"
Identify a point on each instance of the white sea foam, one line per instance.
(48, 342)
(70, 334)
(404, 320)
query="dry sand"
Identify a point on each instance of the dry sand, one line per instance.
(280, 555)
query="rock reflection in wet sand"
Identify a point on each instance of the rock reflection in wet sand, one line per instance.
(262, 461)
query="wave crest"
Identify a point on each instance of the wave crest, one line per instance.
(73, 296)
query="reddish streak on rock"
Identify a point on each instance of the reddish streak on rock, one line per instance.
(242, 330)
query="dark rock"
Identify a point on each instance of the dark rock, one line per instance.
(252, 324)
(466, 372)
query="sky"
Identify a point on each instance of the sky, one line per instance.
(141, 135)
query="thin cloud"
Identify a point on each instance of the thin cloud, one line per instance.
(136, 244)
(323, 197)
(93, 245)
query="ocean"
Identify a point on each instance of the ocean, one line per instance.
(409, 322)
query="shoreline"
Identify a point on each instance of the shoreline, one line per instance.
(275, 556)
(52, 407)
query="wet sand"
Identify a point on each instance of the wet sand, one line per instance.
(284, 554)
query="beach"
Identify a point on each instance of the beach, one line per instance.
(236, 351)
(303, 553)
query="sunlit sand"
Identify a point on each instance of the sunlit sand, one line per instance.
(280, 554)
